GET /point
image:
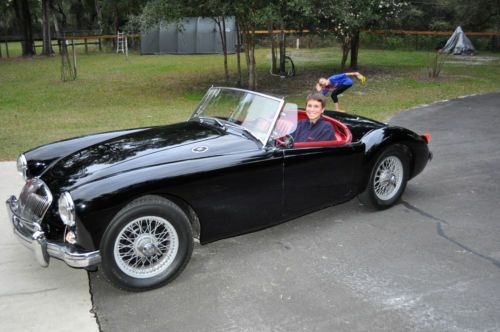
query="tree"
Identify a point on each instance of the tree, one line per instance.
(446, 15)
(248, 14)
(346, 18)
(24, 19)
(217, 10)
(282, 15)
(7, 18)
(47, 40)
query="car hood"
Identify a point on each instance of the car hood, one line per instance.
(144, 148)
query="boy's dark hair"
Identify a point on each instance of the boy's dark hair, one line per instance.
(318, 97)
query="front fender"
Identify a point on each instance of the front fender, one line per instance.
(97, 202)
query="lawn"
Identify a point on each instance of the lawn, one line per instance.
(113, 92)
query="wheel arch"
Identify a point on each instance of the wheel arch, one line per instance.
(375, 147)
(188, 210)
(106, 213)
(180, 202)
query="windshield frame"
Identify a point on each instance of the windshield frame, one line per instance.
(209, 94)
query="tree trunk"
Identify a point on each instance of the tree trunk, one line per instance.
(64, 20)
(221, 25)
(23, 16)
(354, 50)
(247, 54)
(98, 10)
(238, 55)
(273, 47)
(252, 72)
(250, 57)
(224, 48)
(282, 50)
(116, 19)
(47, 38)
(247, 27)
(345, 52)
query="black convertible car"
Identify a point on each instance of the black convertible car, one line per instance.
(133, 201)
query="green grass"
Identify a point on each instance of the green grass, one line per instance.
(111, 92)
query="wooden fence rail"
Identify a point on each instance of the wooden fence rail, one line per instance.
(91, 39)
(87, 40)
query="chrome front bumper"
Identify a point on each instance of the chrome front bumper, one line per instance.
(32, 236)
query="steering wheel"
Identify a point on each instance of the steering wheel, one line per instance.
(285, 141)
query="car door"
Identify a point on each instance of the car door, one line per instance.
(318, 176)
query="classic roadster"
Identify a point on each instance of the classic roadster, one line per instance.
(133, 201)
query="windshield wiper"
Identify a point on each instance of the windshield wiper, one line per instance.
(214, 120)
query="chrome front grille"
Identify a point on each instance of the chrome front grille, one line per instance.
(34, 201)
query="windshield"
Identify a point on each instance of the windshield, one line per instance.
(250, 111)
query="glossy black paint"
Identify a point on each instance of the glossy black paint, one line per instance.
(231, 183)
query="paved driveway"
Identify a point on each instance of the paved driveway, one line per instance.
(431, 263)
(33, 298)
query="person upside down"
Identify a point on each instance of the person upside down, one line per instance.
(338, 84)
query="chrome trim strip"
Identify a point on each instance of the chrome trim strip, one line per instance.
(43, 249)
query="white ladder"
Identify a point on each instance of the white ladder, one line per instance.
(121, 43)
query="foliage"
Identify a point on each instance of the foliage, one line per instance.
(7, 18)
(346, 18)
(446, 15)
(283, 15)
(156, 11)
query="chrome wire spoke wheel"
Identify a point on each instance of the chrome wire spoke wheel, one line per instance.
(146, 247)
(388, 178)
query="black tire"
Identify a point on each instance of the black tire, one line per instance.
(388, 178)
(147, 244)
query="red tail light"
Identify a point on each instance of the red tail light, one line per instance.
(427, 137)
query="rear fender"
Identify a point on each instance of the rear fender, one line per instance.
(379, 140)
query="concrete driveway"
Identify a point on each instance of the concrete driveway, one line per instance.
(431, 263)
(33, 298)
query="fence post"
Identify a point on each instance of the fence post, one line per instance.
(7, 49)
(0, 50)
(86, 46)
(100, 46)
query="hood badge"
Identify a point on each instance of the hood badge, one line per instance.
(199, 149)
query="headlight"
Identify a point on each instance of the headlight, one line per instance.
(67, 209)
(22, 166)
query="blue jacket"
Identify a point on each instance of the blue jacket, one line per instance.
(307, 132)
(337, 81)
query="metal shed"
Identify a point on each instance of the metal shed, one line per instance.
(197, 35)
